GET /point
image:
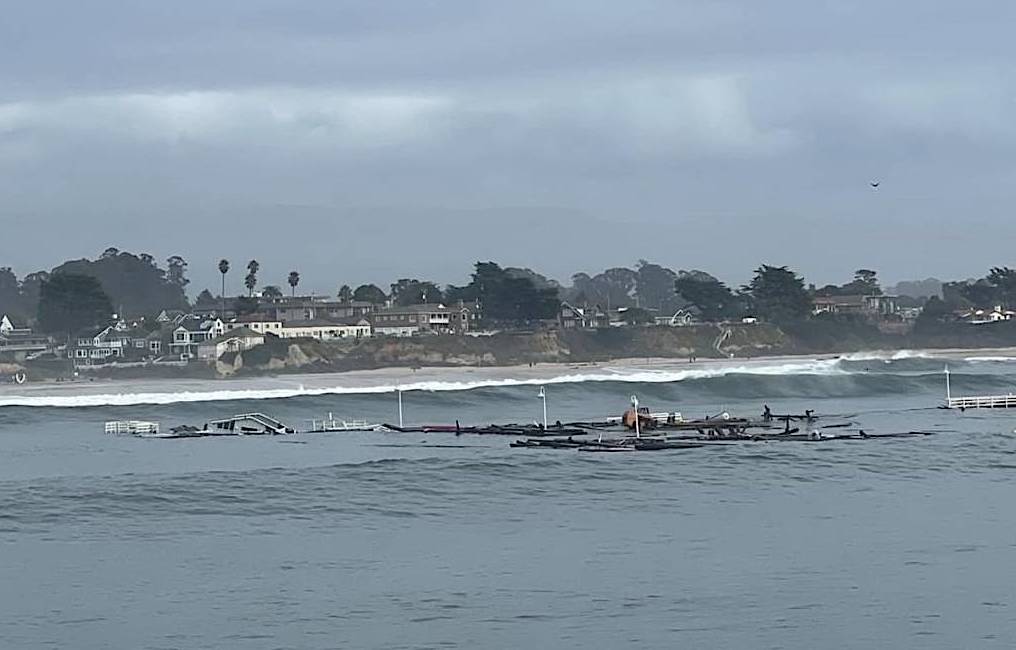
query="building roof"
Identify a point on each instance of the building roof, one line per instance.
(254, 318)
(586, 312)
(21, 335)
(852, 300)
(169, 314)
(197, 324)
(424, 308)
(320, 322)
(238, 333)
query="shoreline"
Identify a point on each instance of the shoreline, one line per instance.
(444, 377)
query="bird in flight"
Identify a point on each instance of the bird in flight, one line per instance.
(875, 184)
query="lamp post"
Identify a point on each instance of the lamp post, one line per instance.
(398, 389)
(635, 408)
(543, 396)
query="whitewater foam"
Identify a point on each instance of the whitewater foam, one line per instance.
(887, 355)
(626, 375)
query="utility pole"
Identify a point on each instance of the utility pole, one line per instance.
(543, 396)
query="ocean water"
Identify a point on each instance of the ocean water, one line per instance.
(386, 540)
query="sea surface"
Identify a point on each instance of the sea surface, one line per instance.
(394, 540)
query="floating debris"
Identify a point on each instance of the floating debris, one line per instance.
(331, 425)
(132, 428)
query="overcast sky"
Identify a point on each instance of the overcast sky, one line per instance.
(370, 140)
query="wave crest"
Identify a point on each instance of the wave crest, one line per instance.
(626, 375)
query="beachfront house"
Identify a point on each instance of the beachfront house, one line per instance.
(260, 323)
(235, 340)
(571, 317)
(107, 345)
(327, 330)
(680, 318)
(290, 309)
(432, 318)
(987, 316)
(193, 331)
(19, 342)
(869, 306)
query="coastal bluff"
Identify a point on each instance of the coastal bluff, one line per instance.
(506, 348)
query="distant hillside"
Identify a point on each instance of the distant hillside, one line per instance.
(917, 288)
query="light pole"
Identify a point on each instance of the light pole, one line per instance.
(398, 389)
(635, 408)
(543, 396)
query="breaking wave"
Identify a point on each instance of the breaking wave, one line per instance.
(989, 359)
(819, 367)
(887, 355)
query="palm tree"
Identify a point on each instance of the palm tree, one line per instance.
(223, 269)
(251, 280)
(345, 293)
(294, 279)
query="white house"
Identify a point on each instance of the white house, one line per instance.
(259, 323)
(396, 330)
(985, 316)
(193, 331)
(355, 328)
(236, 340)
(680, 318)
(108, 345)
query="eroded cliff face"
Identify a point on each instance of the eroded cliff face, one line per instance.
(554, 346)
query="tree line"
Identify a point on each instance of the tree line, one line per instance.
(82, 292)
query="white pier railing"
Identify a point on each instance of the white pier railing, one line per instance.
(1007, 401)
(982, 402)
(131, 427)
(333, 425)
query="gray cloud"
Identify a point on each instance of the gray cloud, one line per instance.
(364, 141)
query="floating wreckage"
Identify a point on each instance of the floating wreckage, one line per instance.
(245, 424)
(660, 443)
(331, 425)
(670, 431)
(532, 430)
(132, 428)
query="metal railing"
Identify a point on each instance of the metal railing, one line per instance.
(131, 427)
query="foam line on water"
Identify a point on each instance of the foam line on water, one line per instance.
(989, 359)
(887, 355)
(811, 367)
